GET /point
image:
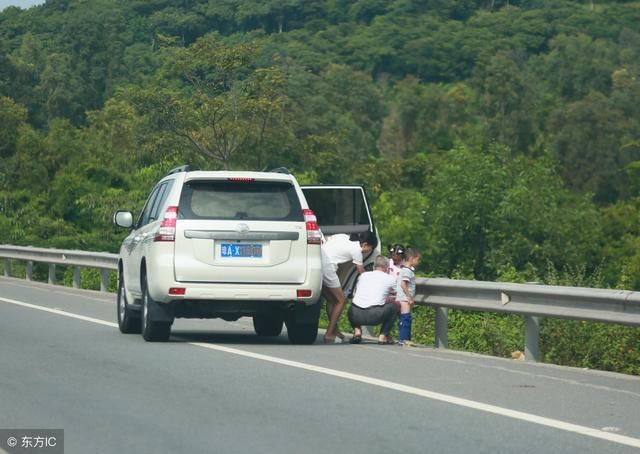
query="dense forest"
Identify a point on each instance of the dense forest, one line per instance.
(500, 137)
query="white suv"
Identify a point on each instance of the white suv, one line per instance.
(225, 244)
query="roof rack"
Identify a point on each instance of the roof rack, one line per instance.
(184, 168)
(281, 170)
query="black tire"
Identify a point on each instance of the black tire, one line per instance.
(152, 331)
(128, 319)
(267, 325)
(302, 333)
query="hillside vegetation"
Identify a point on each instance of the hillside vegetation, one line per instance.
(500, 137)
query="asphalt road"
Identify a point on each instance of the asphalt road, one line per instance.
(218, 388)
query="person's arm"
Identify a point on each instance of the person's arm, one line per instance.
(356, 256)
(405, 289)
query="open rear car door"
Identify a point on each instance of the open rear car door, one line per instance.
(343, 209)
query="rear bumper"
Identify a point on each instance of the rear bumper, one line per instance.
(236, 292)
(297, 312)
(232, 310)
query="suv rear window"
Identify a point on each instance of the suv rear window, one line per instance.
(240, 200)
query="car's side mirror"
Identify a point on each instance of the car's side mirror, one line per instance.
(123, 219)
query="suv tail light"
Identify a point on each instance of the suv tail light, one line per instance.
(313, 231)
(167, 230)
(177, 291)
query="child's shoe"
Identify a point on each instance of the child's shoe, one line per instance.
(407, 343)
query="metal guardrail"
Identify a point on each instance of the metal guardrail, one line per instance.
(103, 261)
(529, 300)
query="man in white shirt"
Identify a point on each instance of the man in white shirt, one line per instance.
(341, 249)
(336, 250)
(370, 305)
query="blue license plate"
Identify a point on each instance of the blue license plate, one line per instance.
(241, 250)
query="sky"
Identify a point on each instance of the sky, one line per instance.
(20, 3)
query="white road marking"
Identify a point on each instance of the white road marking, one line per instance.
(514, 414)
(525, 373)
(59, 289)
(538, 375)
(527, 417)
(59, 312)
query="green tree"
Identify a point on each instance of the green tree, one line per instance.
(60, 89)
(114, 135)
(28, 62)
(576, 65)
(506, 101)
(366, 10)
(621, 237)
(224, 107)
(12, 115)
(25, 169)
(7, 71)
(426, 117)
(188, 25)
(487, 210)
(586, 139)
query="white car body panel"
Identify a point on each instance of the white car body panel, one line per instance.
(199, 257)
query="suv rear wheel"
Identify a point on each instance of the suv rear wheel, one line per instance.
(267, 325)
(128, 319)
(152, 331)
(302, 333)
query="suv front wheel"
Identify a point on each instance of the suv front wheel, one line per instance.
(128, 319)
(152, 331)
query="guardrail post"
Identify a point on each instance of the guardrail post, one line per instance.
(442, 327)
(104, 280)
(76, 277)
(52, 274)
(28, 272)
(7, 267)
(532, 338)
